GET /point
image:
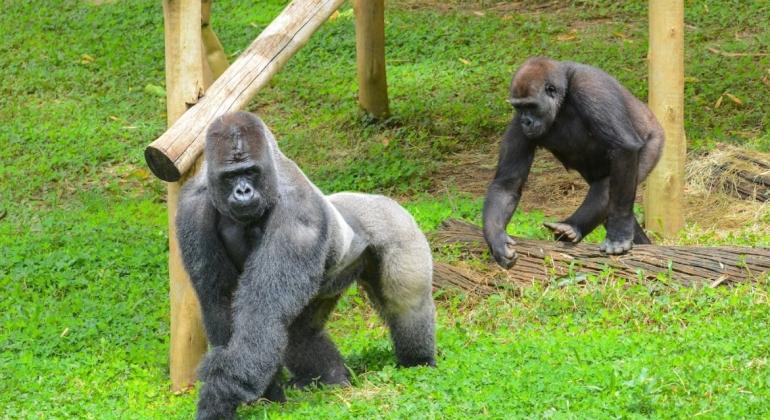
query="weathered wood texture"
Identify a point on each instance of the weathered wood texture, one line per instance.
(173, 153)
(664, 195)
(544, 260)
(184, 84)
(370, 56)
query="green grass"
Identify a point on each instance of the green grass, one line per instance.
(83, 272)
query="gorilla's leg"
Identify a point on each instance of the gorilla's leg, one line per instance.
(400, 289)
(648, 158)
(591, 213)
(311, 355)
(274, 391)
(412, 331)
(640, 237)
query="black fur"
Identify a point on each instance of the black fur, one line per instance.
(591, 124)
(269, 256)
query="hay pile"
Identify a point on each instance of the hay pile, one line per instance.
(740, 173)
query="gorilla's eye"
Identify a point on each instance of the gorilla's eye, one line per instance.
(252, 171)
(550, 89)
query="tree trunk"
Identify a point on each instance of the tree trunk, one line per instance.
(540, 261)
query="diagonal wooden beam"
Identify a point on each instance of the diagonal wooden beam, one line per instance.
(173, 153)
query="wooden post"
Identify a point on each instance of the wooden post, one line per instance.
(173, 153)
(370, 56)
(215, 58)
(665, 186)
(184, 84)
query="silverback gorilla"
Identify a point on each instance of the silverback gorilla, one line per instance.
(591, 124)
(269, 256)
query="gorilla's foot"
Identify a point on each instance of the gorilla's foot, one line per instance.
(274, 394)
(412, 361)
(615, 247)
(335, 377)
(305, 383)
(564, 232)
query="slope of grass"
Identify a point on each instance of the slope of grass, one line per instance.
(83, 275)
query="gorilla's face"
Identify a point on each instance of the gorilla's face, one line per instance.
(240, 169)
(537, 92)
(238, 191)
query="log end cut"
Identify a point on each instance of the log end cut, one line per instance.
(161, 165)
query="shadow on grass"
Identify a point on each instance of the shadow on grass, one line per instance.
(371, 359)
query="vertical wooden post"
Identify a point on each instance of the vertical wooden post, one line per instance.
(215, 61)
(665, 186)
(184, 85)
(370, 56)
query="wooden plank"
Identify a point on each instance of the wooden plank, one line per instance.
(173, 153)
(184, 84)
(664, 195)
(370, 56)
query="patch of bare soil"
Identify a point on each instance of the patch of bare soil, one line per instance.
(481, 6)
(550, 188)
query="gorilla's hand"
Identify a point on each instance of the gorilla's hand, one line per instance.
(503, 250)
(214, 401)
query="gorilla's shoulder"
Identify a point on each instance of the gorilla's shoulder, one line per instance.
(194, 200)
(194, 187)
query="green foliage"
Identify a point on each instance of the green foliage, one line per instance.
(603, 350)
(83, 245)
(430, 211)
(382, 168)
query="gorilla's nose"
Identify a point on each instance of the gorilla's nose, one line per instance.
(243, 192)
(526, 121)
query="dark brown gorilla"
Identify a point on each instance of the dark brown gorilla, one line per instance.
(591, 124)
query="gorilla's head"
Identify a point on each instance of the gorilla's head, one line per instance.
(240, 169)
(537, 92)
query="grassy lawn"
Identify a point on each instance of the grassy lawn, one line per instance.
(83, 272)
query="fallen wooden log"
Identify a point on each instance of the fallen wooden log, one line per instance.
(174, 152)
(542, 261)
(449, 276)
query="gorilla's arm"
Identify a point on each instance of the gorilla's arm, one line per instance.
(281, 277)
(212, 273)
(516, 154)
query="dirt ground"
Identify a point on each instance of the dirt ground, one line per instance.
(558, 192)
